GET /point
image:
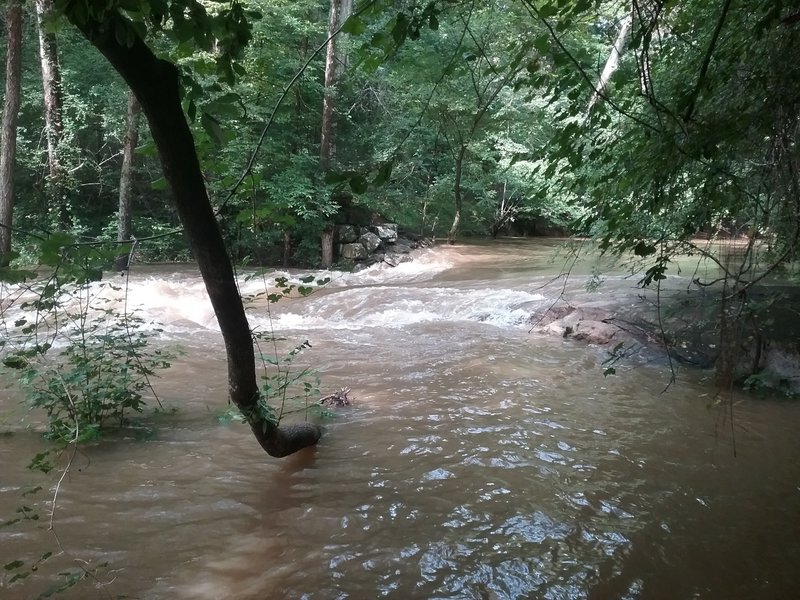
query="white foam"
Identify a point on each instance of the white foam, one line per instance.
(398, 307)
(380, 296)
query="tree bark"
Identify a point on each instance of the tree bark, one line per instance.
(8, 129)
(287, 248)
(327, 246)
(53, 110)
(335, 61)
(612, 63)
(126, 177)
(156, 85)
(457, 195)
(485, 97)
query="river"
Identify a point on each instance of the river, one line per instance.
(478, 461)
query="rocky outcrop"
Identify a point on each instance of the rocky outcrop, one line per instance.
(764, 359)
(591, 325)
(353, 251)
(366, 246)
(370, 241)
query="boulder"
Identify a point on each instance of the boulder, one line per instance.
(387, 232)
(347, 234)
(399, 248)
(406, 241)
(592, 325)
(392, 259)
(781, 367)
(370, 241)
(354, 251)
(595, 332)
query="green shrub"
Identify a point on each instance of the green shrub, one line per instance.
(88, 368)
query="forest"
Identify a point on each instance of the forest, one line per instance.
(245, 134)
(643, 125)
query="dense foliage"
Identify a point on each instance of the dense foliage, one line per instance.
(479, 106)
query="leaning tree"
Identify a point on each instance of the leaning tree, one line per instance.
(119, 30)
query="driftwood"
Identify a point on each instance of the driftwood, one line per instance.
(337, 399)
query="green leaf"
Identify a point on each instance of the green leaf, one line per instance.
(213, 128)
(547, 10)
(339, 176)
(359, 184)
(15, 361)
(383, 174)
(130, 5)
(13, 275)
(51, 248)
(644, 249)
(354, 26)
(226, 105)
(14, 564)
(400, 29)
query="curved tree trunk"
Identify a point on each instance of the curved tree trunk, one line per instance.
(8, 131)
(126, 177)
(156, 84)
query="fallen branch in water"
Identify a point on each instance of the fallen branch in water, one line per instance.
(337, 399)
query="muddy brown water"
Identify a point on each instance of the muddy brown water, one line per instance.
(479, 460)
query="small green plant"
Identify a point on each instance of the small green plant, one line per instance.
(615, 355)
(97, 380)
(281, 385)
(595, 281)
(85, 364)
(284, 388)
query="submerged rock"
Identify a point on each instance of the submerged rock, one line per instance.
(393, 259)
(399, 248)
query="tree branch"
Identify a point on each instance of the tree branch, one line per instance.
(706, 61)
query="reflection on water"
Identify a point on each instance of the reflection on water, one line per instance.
(479, 462)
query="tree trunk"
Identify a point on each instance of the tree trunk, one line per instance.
(156, 84)
(287, 248)
(612, 63)
(126, 177)
(335, 61)
(8, 129)
(457, 196)
(53, 103)
(327, 246)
